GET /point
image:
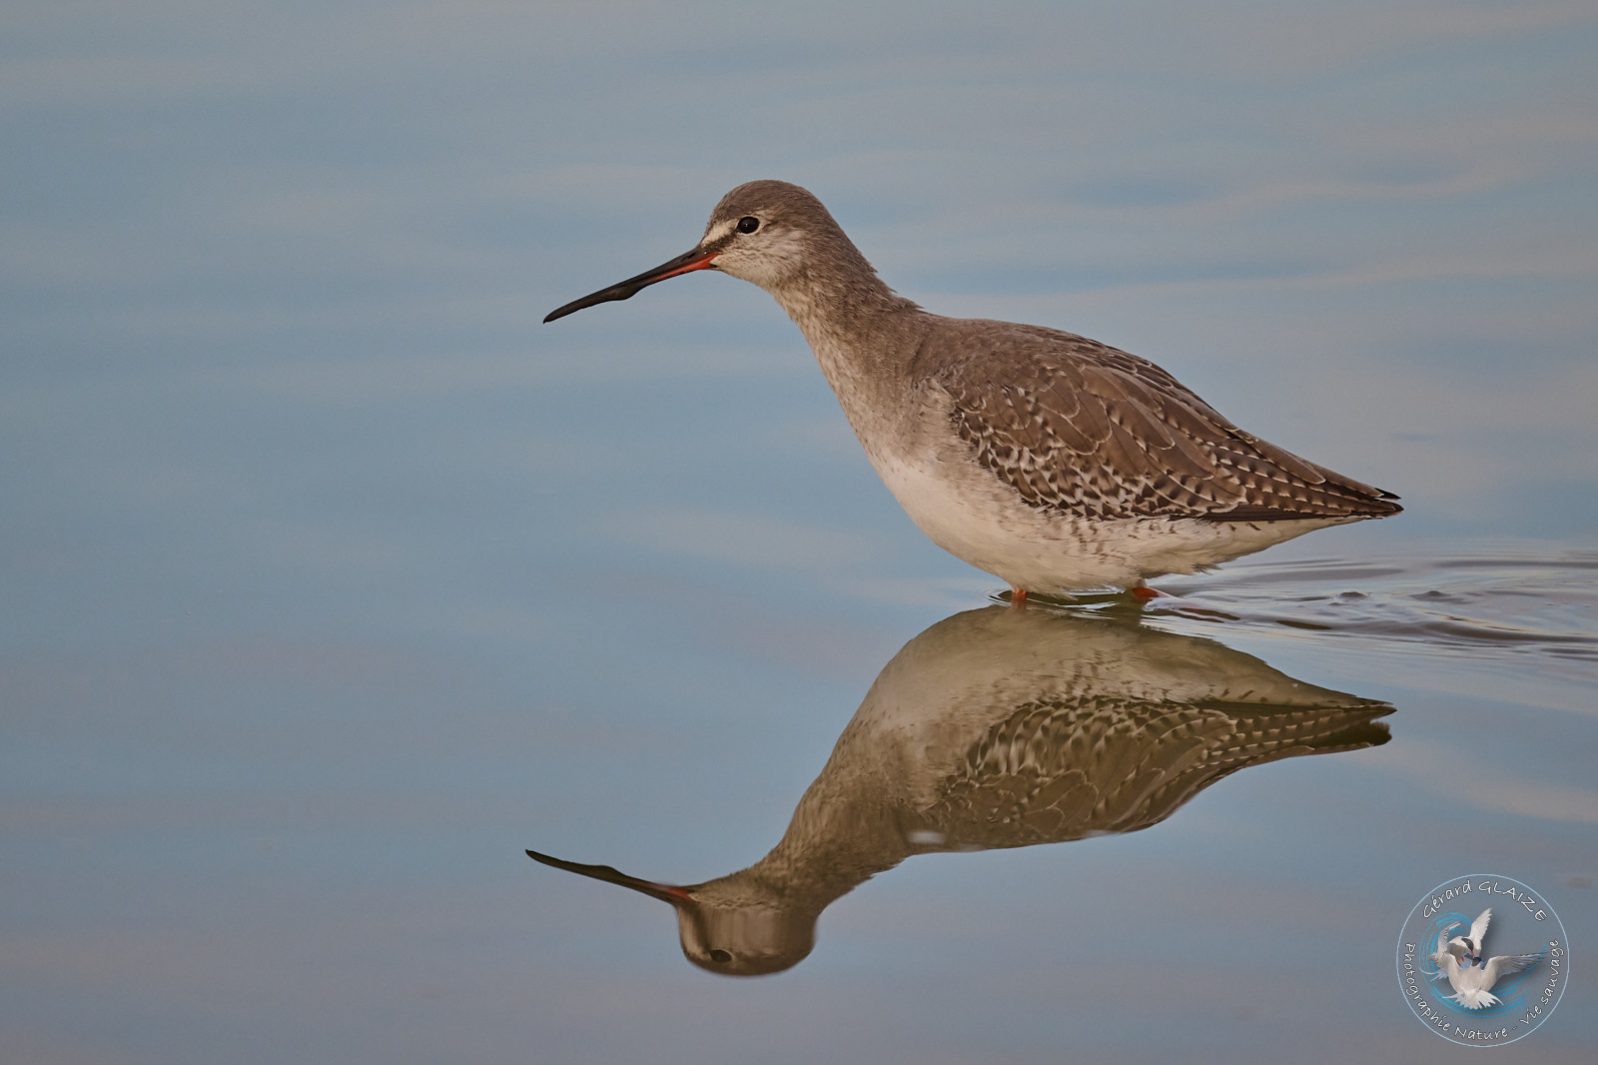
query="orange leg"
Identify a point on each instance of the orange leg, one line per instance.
(1144, 592)
(1017, 596)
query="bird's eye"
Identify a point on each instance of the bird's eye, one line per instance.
(748, 224)
(719, 955)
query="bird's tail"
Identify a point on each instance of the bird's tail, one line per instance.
(1475, 999)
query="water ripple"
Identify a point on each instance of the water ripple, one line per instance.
(1540, 601)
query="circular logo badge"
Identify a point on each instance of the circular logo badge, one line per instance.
(1483, 960)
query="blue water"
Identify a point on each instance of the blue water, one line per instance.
(331, 581)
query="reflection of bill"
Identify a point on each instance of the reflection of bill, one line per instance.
(1005, 728)
(1471, 975)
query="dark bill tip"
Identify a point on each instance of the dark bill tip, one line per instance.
(608, 874)
(695, 259)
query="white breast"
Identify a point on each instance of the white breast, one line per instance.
(970, 514)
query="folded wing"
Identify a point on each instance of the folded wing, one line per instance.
(1078, 427)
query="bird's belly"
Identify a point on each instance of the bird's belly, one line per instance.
(970, 514)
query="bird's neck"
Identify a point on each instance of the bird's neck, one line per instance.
(862, 332)
(838, 839)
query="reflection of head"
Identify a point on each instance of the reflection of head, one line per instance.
(746, 940)
(733, 926)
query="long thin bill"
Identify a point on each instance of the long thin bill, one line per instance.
(665, 892)
(695, 259)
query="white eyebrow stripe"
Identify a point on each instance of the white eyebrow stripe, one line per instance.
(717, 231)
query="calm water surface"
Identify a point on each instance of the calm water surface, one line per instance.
(331, 582)
(1009, 833)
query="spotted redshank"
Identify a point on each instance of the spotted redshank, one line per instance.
(1005, 728)
(1050, 460)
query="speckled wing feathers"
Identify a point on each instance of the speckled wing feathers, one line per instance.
(1077, 427)
(1057, 769)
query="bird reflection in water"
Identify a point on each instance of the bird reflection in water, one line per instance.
(1005, 728)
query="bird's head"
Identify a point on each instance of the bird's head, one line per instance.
(767, 232)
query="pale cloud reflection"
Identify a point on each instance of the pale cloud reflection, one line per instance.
(1489, 788)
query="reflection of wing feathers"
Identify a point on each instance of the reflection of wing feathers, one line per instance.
(1255, 735)
(1053, 770)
